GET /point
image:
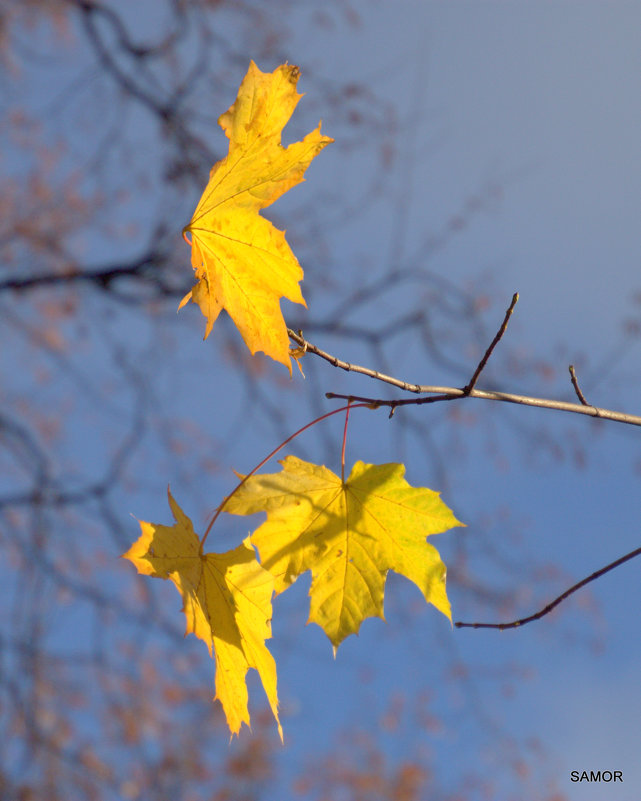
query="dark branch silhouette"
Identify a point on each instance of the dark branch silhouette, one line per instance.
(547, 609)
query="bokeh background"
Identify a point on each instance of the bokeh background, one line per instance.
(481, 149)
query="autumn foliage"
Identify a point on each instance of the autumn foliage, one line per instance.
(349, 532)
(243, 264)
(227, 602)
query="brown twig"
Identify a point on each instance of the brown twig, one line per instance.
(452, 393)
(547, 609)
(493, 344)
(436, 393)
(576, 386)
(354, 368)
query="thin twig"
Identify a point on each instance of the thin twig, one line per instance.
(354, 368)
(576, 386)
(516, 623)
(439, 393)
(493, 344)
(452, 393)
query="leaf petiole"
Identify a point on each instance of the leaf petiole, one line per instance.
(221, 506)
(349, 403)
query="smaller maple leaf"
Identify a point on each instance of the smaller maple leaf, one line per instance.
(227, 604)
(242, 262)
(349, 534)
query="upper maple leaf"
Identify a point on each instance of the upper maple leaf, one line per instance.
(227, 603)
(244, 264)
(349, 534)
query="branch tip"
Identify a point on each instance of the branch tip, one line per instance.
(577, 388)
(499, 334)
(547, 609)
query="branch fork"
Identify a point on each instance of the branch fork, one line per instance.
(434, 394)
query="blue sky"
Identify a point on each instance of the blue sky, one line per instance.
(541, 102)
(544, 99)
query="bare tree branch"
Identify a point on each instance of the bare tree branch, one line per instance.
(308, 347)
(547, 609)
(439, 393)
(493, 344)
(576, 386)
(452, 393)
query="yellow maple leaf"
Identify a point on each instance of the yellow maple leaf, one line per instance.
(349, 535)
(242, 262)
(227, 604)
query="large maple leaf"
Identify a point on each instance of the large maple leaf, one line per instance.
(227, 604)
(349, 534)
(242, 262)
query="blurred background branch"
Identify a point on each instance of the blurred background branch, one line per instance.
(108, 133)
